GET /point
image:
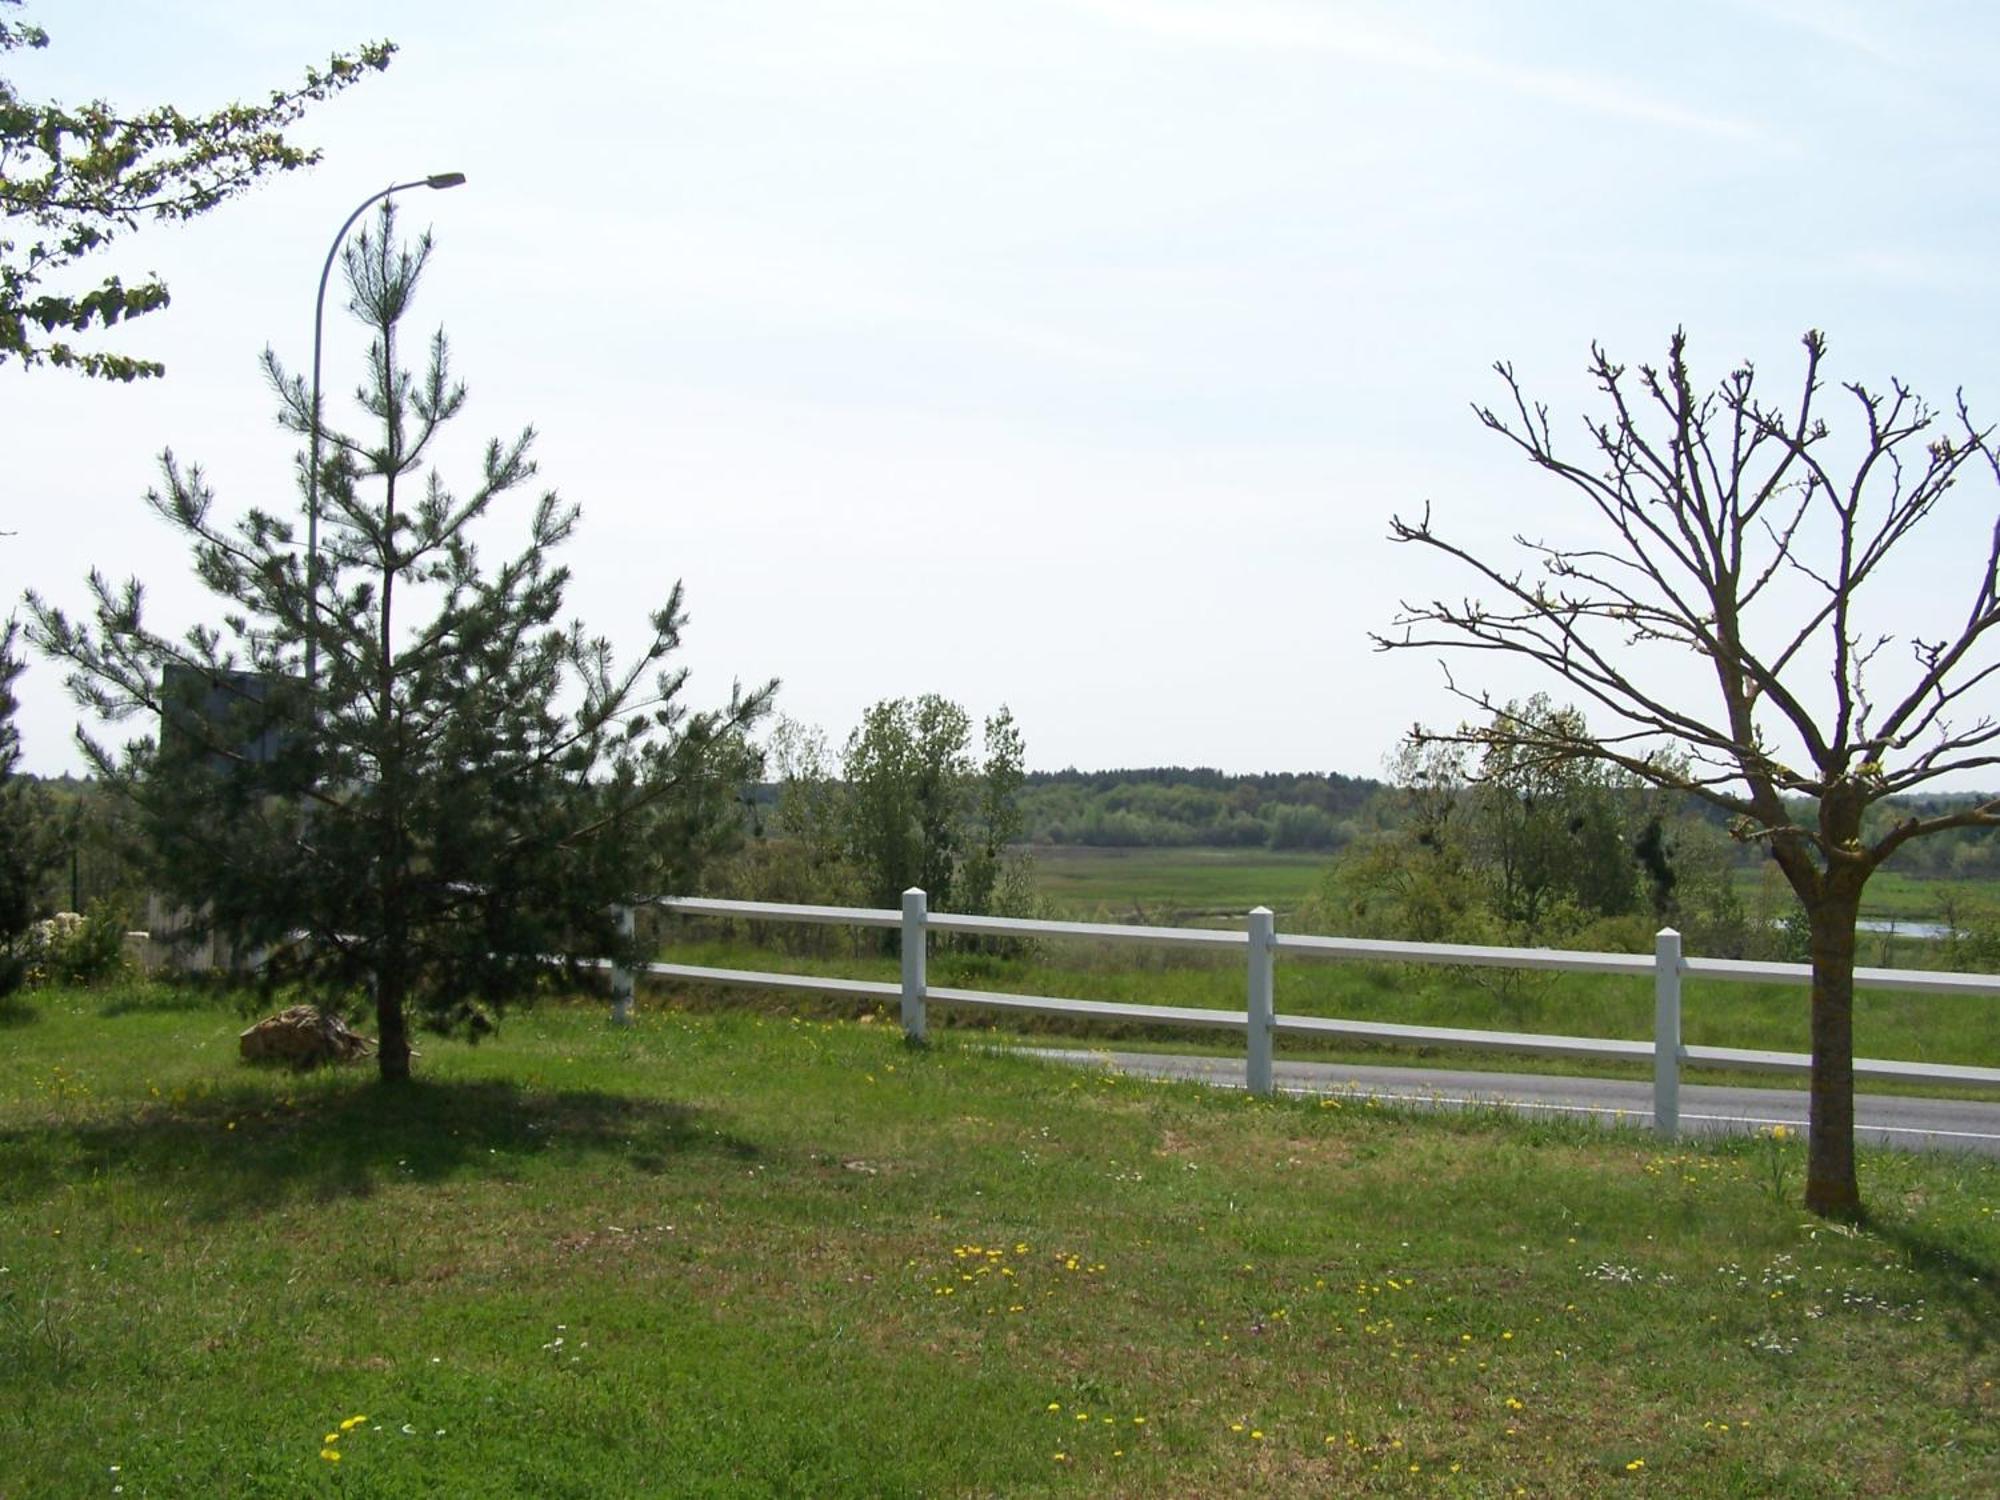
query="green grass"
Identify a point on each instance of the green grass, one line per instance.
(738, 1254)
(1893, 894)
(1161, 885)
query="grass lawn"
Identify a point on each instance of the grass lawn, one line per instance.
(741, 1254)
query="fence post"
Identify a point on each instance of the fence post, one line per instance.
(915, 954)
(1667, 1033)
(1257, 1064)
(621, 975)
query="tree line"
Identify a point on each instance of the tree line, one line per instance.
(1177, 807)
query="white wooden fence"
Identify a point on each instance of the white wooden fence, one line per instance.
(1261, 943)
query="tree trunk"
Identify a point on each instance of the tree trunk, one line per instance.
(1831, 1188)
(392, 1033)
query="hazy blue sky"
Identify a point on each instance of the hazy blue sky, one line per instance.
(1067, 353)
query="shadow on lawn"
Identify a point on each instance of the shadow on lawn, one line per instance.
(345, 1137)
(1962, 1282)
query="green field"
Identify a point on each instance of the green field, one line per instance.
(1163, 885)
(743, 1254)
(1892, 894)
(1158, 885)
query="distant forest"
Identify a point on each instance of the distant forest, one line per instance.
(1177, 806)
(1180, 807)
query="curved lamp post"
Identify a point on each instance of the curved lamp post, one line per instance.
(436, 180)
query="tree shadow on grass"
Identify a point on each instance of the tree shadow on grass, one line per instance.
(1959, 1282)
(14, 1011)
(245, 1149)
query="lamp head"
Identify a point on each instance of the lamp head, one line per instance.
(444, 179)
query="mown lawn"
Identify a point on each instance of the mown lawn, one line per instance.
(737, 1253)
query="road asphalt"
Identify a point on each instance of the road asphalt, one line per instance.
(1880, 1119)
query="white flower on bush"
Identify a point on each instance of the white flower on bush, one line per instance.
(70, 948)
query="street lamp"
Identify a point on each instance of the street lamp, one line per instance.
(435, 180)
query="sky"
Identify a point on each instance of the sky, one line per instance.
(1067, 354)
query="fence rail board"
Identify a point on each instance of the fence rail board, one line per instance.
(774, 911)
(1539, 1045)
(1109, 932)
(1468, 955)
(867, 989)
(1101, 1010)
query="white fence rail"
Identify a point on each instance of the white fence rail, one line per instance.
(1667, 966)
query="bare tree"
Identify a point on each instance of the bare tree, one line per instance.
(1747, 534)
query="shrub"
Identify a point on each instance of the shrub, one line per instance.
(69, 948)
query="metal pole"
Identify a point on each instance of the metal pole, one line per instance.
(436, 180)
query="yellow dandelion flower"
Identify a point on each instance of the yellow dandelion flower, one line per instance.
(1635, 1466)
(352, 1422)
(331, 1455)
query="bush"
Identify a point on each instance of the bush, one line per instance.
(72, 949)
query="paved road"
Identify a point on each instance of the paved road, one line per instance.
(1880, 1119)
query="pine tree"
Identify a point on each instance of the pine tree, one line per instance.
(19, 862)
(470, 784)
